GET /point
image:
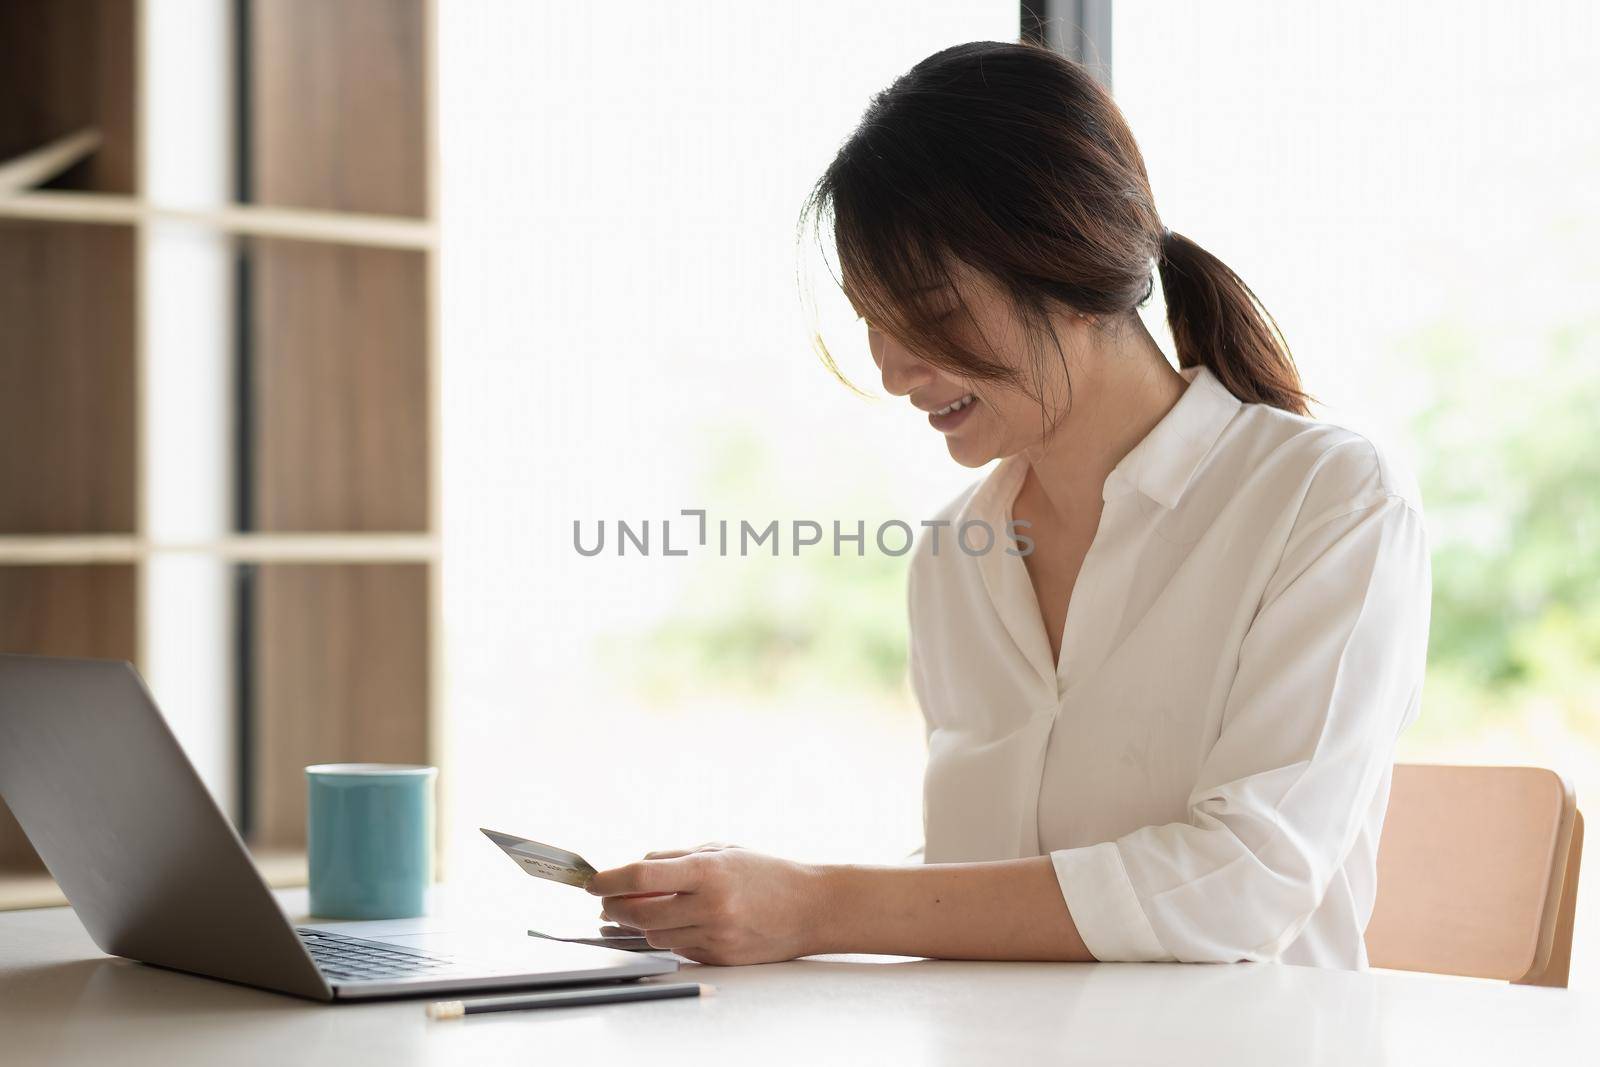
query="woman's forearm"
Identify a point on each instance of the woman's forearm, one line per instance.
(1005, 909)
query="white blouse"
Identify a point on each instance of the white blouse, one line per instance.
(1208, 764)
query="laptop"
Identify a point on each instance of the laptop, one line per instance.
(156, 872)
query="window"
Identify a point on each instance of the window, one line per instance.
(623, 339)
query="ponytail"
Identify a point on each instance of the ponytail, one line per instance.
(1216, 320)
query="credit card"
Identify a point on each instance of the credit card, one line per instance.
(544, 861)
(599, 938)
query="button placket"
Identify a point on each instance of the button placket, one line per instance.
(1071, 669)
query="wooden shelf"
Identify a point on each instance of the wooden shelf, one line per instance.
(68, 548)
(68, 355)
(327, 227)
(245, 548)
(318, 548)
(218, 418)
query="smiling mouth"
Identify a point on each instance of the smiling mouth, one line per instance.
(953, 415)
(956, 405)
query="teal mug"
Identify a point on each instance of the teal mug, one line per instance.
(369, 829)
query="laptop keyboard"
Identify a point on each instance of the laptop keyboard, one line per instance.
(350, 959)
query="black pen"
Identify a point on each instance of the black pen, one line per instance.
(568, 998)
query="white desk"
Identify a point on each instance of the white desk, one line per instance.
(61, 1001)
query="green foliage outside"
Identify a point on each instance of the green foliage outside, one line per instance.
(1510, 470)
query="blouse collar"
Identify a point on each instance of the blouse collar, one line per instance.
(1162, 465)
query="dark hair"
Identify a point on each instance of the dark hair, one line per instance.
(1012, 159)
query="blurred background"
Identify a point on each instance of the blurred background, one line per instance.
(322, 324)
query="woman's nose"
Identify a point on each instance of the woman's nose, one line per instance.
(902, 371)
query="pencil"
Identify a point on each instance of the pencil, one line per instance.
(568, 998)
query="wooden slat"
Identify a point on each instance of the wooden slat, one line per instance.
(337, 109)
(69, 548)
(49, 161)
(67, 65)
(66, 378)
(341, 676)
(62, 611)
(339, 363)
(246, 548)
(374, 231)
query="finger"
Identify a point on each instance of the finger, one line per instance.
(668, 854)
(654, 913)
(628, 931)
(680, 938)
(678, 875)
(625, 930)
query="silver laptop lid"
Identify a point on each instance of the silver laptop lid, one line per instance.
(153, 868)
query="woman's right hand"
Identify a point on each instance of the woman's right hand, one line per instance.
(618, 929)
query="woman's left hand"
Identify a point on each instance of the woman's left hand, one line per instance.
(716, 904)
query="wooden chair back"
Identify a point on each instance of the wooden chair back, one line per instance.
(1478, 873)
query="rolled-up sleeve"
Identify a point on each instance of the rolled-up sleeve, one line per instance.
(1329, 673)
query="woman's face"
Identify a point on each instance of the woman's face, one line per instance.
(980, 421)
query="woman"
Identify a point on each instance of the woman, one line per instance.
(1167, 732)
